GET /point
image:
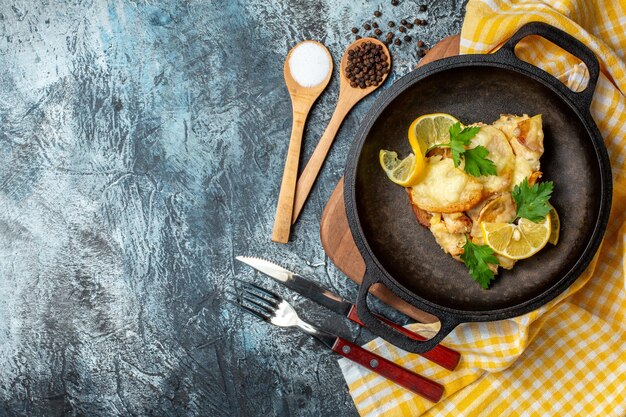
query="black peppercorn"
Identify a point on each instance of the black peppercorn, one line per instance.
(357, 37)
(407, 38)
(402, 29)
(355, 30)
(389, 35)
(377, 13)
(423, 22)
(423, 8)
(403, 22)
(409, 25)
(374, 25)
(397, 41)
(378, 32)
(366, 26)
(394, 2)
(367, 65)
(391, 24)
(420, 43)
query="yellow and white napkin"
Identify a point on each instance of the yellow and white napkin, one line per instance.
(567, 358)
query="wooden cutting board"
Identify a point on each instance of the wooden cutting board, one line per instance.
(335, 232)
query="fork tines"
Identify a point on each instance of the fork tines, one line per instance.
(261, 305)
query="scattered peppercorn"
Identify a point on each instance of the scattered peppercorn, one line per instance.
(367, 65)
(366, 26)
(374, 25)
(407, 38)
(402, 29)
(378, 32)
(420, 43)
(423, 8)
(391, 24)
(357, 37)
(394, 2)
(421, 52)
(397, 41)
(409, 25)
(403, 22)
(355, 30)
(423, 22)
(417, 21)
(390, 36)
(377, 13)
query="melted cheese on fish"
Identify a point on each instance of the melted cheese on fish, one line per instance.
(500, 153)
(446, 189)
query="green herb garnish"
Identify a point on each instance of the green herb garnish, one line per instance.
(477, 259)
(532, 201)
(476, 162)
(459, 139)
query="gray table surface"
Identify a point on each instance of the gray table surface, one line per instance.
(142, 147)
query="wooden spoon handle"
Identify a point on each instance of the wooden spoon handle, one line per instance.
(313, 167)
(284, 209)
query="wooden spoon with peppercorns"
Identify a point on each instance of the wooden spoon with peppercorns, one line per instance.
(364, 67)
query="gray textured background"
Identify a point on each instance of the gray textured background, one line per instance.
(142, 146)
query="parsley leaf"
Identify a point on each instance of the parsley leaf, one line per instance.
(532, 201)
(477, 164)
(459, 139)
(476, 258)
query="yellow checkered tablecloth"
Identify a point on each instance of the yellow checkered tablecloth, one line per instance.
(567, 358)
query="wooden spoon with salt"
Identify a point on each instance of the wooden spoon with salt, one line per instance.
(302, 98)
(348, 97)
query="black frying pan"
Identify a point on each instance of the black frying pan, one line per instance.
(404, 256)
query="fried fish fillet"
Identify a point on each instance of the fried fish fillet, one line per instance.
(525, 134)
(453, 204)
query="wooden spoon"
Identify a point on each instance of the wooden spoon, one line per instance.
(348, 97)
(302, 98)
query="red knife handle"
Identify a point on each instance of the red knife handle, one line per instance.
(440, 354)
(410, 380)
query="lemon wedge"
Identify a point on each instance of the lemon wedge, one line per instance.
(555, 224)
(517, 241)
(430, 129)
(406, 172)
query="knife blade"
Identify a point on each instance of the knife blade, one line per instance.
(440, 355)
(299, 284)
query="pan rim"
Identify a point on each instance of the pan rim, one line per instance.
(373, 266)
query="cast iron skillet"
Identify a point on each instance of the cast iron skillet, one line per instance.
(403, 256)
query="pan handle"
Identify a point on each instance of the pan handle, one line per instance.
(570, 44)
(381, 329)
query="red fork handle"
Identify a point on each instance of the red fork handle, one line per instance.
(440, 354)
(410, 380)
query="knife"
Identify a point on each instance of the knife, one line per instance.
(440, 354)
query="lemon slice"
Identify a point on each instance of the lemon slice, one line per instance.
(519, 241)
(555, 224)
(406, 172)
(430, 129)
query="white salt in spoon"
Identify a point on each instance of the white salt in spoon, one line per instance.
(308, 68)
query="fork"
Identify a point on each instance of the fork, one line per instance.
(271, 308)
